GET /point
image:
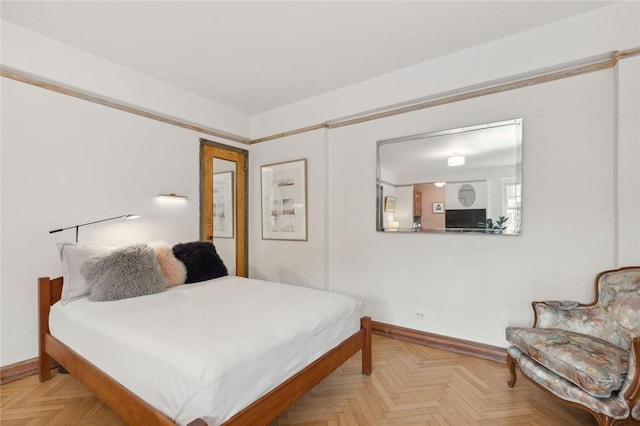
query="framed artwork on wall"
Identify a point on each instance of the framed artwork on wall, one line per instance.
(438, 207)
(284, 200)
(223, 205)
(389, 204)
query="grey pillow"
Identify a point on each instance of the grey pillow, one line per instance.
(122, 273)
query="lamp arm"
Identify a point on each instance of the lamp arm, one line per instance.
(88, 223)
(124, 216)
(98, 221)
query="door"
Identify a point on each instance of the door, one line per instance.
(223, 203)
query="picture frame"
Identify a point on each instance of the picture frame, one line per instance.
(389, 204)
(438, 208)
(223, 214)
(284, 200)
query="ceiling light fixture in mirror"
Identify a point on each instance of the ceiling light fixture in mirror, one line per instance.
(465, 180)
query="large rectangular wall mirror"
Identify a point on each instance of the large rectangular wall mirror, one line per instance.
(466, 180)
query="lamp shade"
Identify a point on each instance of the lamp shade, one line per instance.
(172, 196)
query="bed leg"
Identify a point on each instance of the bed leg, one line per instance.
(44, 298)
(367, 363)
(44, 367)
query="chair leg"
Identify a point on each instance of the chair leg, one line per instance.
(603, 420)
(511, 365)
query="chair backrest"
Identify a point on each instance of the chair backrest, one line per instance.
(619, 299)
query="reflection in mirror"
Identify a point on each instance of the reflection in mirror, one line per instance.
(459, 180)
(466, 195)
(224, 235)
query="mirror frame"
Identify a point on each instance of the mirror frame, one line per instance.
(380, 211)
(208, 151)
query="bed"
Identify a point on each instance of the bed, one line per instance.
(266, 358)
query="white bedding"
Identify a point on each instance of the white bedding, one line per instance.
(207, 349)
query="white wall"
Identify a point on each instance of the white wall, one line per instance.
(404, 207)
(66, 161)
(473, 286)
(576, 221)
(628, 161)
(291, 262)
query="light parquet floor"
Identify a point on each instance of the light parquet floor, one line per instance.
(410, 385)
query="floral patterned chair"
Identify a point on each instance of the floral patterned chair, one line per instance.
(587, 355)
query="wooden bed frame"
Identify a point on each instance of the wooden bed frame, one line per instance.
(135, 411)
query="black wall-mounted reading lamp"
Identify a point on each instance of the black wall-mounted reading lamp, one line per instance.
(124, 216)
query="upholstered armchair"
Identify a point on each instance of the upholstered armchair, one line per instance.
(586, 354)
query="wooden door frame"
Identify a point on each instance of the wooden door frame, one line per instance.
(241, 158)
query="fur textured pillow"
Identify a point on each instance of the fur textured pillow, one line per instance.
(173, 269)
(201, 259)
(125, 272)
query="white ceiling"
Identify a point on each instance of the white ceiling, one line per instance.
(257, 56)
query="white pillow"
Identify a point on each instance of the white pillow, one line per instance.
(73, 255)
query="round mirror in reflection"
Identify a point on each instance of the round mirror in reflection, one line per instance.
(467, 195)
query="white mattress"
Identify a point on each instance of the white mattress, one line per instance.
(208, 349)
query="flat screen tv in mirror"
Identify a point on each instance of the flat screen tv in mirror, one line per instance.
(466, 180)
